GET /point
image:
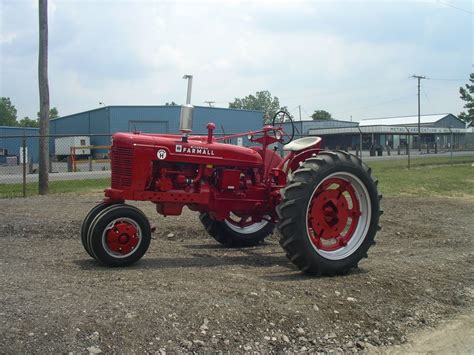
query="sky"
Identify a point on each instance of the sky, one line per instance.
(351, 58)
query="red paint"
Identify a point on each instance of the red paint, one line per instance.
(333, 214)
(122, 238)
(202, 173)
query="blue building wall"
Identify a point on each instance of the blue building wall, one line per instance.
(147, 119)
(104, 121)
(13, 144)
(165, 119)
(152, 119)
(84, 123)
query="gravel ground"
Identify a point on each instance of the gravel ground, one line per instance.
(190, 294)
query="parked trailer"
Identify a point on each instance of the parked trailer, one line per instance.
(63, 146)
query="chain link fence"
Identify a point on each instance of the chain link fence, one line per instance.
(71, 158)
(85, 158)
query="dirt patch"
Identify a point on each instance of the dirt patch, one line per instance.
(454, 336)
(190, 294)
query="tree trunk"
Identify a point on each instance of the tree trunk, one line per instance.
(44, 98)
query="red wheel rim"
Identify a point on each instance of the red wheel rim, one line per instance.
(122, 237)
(333, 214)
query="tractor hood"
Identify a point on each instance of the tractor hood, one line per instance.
(170, 147)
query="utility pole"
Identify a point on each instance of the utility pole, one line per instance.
(419, 77)
(210, 103)
(43, 180)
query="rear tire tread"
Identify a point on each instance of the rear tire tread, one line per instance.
(294, 202)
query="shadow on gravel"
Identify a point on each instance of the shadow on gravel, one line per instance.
(206, 246)
(215, 246)
(299, 276)
(198, 261)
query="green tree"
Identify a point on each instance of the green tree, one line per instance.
(53, 113)
(28, 122)
(321, 115)
(7, 112)
(467, 95)
(261, 101)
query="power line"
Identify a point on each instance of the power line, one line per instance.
(425, 93)
(374, 105)
(338, 91)
(455, 7)
(445, 79)
(306, 112)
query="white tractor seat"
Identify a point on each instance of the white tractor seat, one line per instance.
(301, 144)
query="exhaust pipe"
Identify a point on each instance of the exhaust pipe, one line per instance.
(186, 116)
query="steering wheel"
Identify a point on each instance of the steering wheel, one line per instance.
(278, 120)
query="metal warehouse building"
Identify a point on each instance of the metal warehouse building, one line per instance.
(11, 140)
(442, 129)
(151, 119)
(101, 123)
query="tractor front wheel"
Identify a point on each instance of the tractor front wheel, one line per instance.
(94, 211)
(329, 214)
(119, 235)
(237, 231)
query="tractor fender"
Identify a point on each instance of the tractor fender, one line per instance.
(301, 157)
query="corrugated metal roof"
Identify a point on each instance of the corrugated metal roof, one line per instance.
(404, 120)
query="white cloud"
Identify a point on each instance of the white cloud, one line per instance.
(7, 38)
(339, 56)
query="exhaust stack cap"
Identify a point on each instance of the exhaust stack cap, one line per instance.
(186, 118)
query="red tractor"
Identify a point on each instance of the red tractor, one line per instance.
(324, 204)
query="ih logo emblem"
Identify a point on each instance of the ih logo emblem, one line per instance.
(161, 154)
(179, 148)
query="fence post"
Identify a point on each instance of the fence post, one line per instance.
(452, 145)
(408, 146)
(90, 163)
(69, 163)
(24, 165)
(360, 141)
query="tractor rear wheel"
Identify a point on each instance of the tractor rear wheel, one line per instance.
(87, 222)
(329, 214)
(237, 231)
(119, 235)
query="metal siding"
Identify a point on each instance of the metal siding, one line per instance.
(233, 121)
(113, 119)
(450, 121)
(98, 124)
(84, 123)
(148, 126)
(120, 116)
(13, 144)
(77, 124)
